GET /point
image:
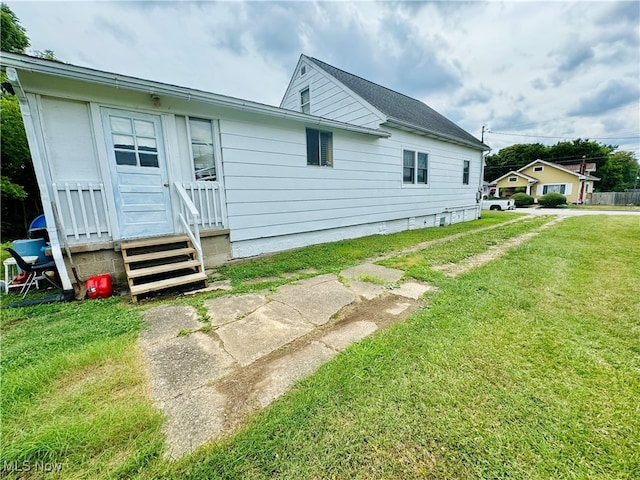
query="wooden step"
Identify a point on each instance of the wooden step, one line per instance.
(167, 283)
(143, 257)
(153, 241)
(165, 267)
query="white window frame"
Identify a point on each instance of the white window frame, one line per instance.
(466, 172)
(305, 107)
(327, 138)
(513, 179)
(563, 188)
(414, 168)
(538, 168)
(216, 168)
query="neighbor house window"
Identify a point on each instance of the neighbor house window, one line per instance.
(305, 101)
(538, 169)
(319, 148)
(560, 188)
(415, 167)
(134, 141)
(465, 172)
(201, 137)
(513, 179)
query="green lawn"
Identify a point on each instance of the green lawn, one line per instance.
(528, 367)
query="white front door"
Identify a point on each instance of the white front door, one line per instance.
(139, 173)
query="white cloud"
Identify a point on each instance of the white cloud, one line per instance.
(554, 69)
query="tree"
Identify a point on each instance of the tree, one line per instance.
(619, 173)
(617, 170)
(13, 35)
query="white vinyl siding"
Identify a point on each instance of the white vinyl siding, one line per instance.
(330, 100)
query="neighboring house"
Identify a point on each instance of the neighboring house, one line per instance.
(124, 162)
(541, 177)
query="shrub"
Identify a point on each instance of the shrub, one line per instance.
(552, 199)
(522, 199)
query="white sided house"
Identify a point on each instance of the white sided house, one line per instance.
(129, 168)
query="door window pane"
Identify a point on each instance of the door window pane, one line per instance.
(121, 125)
(148, 159)
(144, 128)
(125, 158)
(124, 141)
(147, 145)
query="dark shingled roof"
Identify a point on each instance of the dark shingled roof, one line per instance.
(400, 107)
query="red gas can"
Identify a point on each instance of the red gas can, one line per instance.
(99, 286)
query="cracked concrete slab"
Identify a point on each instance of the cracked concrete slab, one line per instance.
(192, 419)
(263, 331)
(223, 310)
(341, 337)
(389, 275)
(398, 308)
(282, 373)
(181, 364)
(366, 290)
(317, 299)
(166, 322)
(412, 290)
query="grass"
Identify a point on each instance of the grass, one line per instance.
(527, 367)
(73, 391)
(335, 256)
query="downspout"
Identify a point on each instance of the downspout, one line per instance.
(37, 158)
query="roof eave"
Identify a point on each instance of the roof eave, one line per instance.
(394, 122)
(48, 67)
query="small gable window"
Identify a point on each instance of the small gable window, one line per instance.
(319, 148)
(305, 101)
(303, 70)
(513, 179)
(538, 168)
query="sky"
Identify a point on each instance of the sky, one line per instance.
(526, 71)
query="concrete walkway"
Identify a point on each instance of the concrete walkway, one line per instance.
(209, 377)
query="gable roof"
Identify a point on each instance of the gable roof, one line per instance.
(400, 109)
(518, 174)
(561, 167)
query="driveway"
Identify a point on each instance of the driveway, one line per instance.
(572, 212)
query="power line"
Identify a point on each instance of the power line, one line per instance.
(491, 132)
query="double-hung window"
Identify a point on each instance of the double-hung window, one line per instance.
(201, 138)
(319, 148)
(305, 101)
(560, 188)
(415, 167)
(466, 167)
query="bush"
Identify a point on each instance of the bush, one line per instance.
(522, 199)
(552, 199)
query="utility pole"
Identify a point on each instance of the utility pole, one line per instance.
(482, 137)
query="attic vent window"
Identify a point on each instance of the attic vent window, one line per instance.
(305, 101)
(513, 179)
(303, 70)
(538, 169)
